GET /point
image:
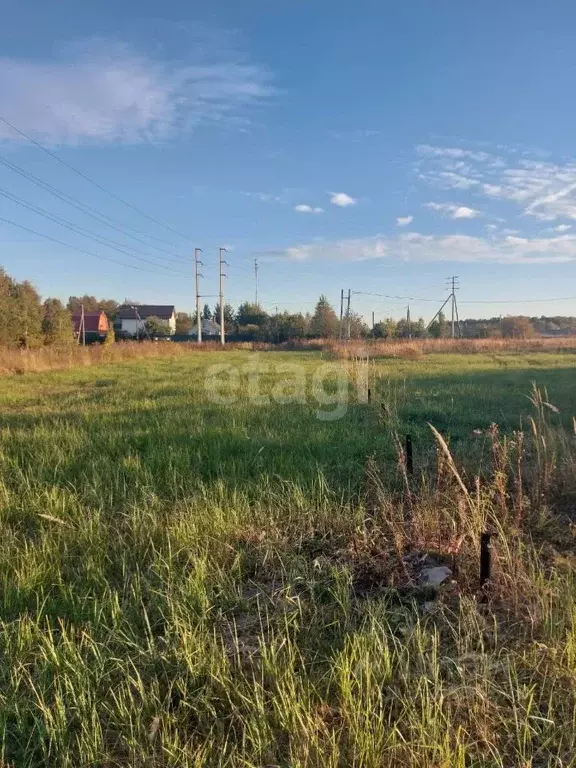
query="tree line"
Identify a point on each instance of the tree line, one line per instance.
(27, 321)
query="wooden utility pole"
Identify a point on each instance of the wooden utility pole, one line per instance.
(198, 276)
(256, 280)
(83, 321)
(222, 276)
(373, 320)
(408, 322)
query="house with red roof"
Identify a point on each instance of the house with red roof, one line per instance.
(96, 324)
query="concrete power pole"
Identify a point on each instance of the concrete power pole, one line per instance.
(222, 276)
(454, 286)
(348, 315)
(198, 276)
(341, 313)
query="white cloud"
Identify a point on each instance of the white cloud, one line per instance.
(455, 152)
(103, 92)
(463, 212)
(403, 221)
(454, 211)
(543, 190)
(342, 199)
(560, 228)
(302, 208)
(416, 247)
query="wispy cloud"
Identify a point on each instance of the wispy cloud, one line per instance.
(102, 92)
(403, 221)
(543, 190)
(560, 228)
(454, 211)
(455, 153)
(416, 247)
(342, 200)
(264, 197)
(303, 208)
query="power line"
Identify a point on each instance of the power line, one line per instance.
(86, 209)
(75, 248)
(520, 301)
(81, 231)
(88, 179)
(387, 296)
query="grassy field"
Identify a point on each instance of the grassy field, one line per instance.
(189, 582)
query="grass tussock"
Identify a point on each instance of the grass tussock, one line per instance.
(227, 597)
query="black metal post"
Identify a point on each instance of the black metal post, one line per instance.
(409, 455)
(485, 559)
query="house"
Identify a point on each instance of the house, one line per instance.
(96, 324)
(131, 319)
(210, 329)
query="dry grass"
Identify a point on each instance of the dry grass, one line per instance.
(415, 348)
(20, 361)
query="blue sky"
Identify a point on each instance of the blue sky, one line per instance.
(373, 146)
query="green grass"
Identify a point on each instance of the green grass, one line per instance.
(179, 578)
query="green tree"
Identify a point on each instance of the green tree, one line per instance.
(183, 322)
(206, 312)
(75, 303)
(109, 307)
(517, 328)
(29, 314)
(439, 329)
(286, 327)
(251, 314)
(8, 318)
(228, 314)
(419, 329)
(358, 328)
(92, 304)
(156, 326)
(56, 323)
(324, 323)
(385, 329)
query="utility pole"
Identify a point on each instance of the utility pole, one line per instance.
(198, 276)
(341, 313)
(454, 286)
(222, 276)
(373, 320)
(348, 315)
(408, 322)
(256, 280)
(83, 326)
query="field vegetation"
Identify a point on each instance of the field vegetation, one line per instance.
(192, 582)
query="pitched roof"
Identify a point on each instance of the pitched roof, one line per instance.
(91, 321)
(128, 312)
(209, 328)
